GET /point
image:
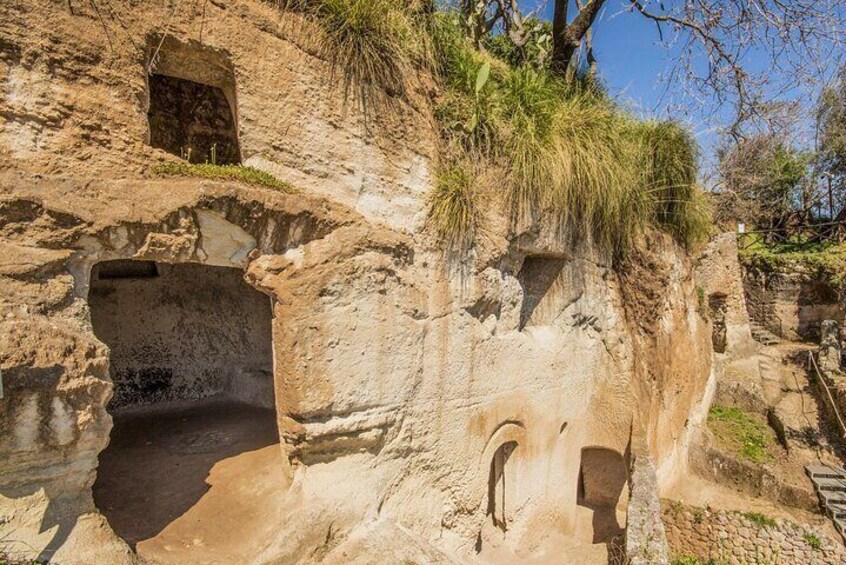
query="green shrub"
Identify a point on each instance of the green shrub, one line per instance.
(247, 175)
(823, 261)
(813, 540)
(747, 435)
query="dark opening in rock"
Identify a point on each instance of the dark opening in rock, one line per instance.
(191, 361)
(124, 269)
(602, 481)
(538, 277)
(192, 120)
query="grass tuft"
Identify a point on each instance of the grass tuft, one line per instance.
(454, 213)
(760, 520)
(566, 154)
(748, 436)
(813, 540)
(239, 173)
(370, 43)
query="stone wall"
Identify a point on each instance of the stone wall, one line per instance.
(646, 537)
(789, 300)
(738, 538)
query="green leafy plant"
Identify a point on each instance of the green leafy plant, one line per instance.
(238, 173)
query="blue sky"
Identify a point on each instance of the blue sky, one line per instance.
(631, 61)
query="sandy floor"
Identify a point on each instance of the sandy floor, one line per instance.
(585, 546)
(193, 482)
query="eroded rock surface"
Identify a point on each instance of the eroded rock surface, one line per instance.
(396, 377)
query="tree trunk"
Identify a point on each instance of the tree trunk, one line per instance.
(567, 38)
(559, 32)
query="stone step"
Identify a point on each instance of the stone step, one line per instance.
(830, 484)
(825, 472)
(832, 497)
(836, 511)
(764, 336)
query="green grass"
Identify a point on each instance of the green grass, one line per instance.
(568, 153)
(813, 540)
(744, 433)
(247, 175)
(690, 560)
(825, 261)
(760, 520)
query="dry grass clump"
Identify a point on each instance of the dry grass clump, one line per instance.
(372, 44)
(454, 212)
(570, 155)
(567, 153)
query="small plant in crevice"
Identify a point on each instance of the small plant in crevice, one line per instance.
(701, 302)
(454, 213)
(813, 540)
(760, 520)
(239, 173)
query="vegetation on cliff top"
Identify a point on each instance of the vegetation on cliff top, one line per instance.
(564, 151)
(822, 260)
(561, 149)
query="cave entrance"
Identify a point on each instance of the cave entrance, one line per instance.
(601, 495)
(193, 405)
(193, 108)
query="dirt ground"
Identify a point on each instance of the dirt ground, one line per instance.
(193, 482)
(582, 547)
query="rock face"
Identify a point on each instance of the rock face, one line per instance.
(790, 302)
(396, 378)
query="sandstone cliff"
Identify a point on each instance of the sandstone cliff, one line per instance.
(396, 378)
